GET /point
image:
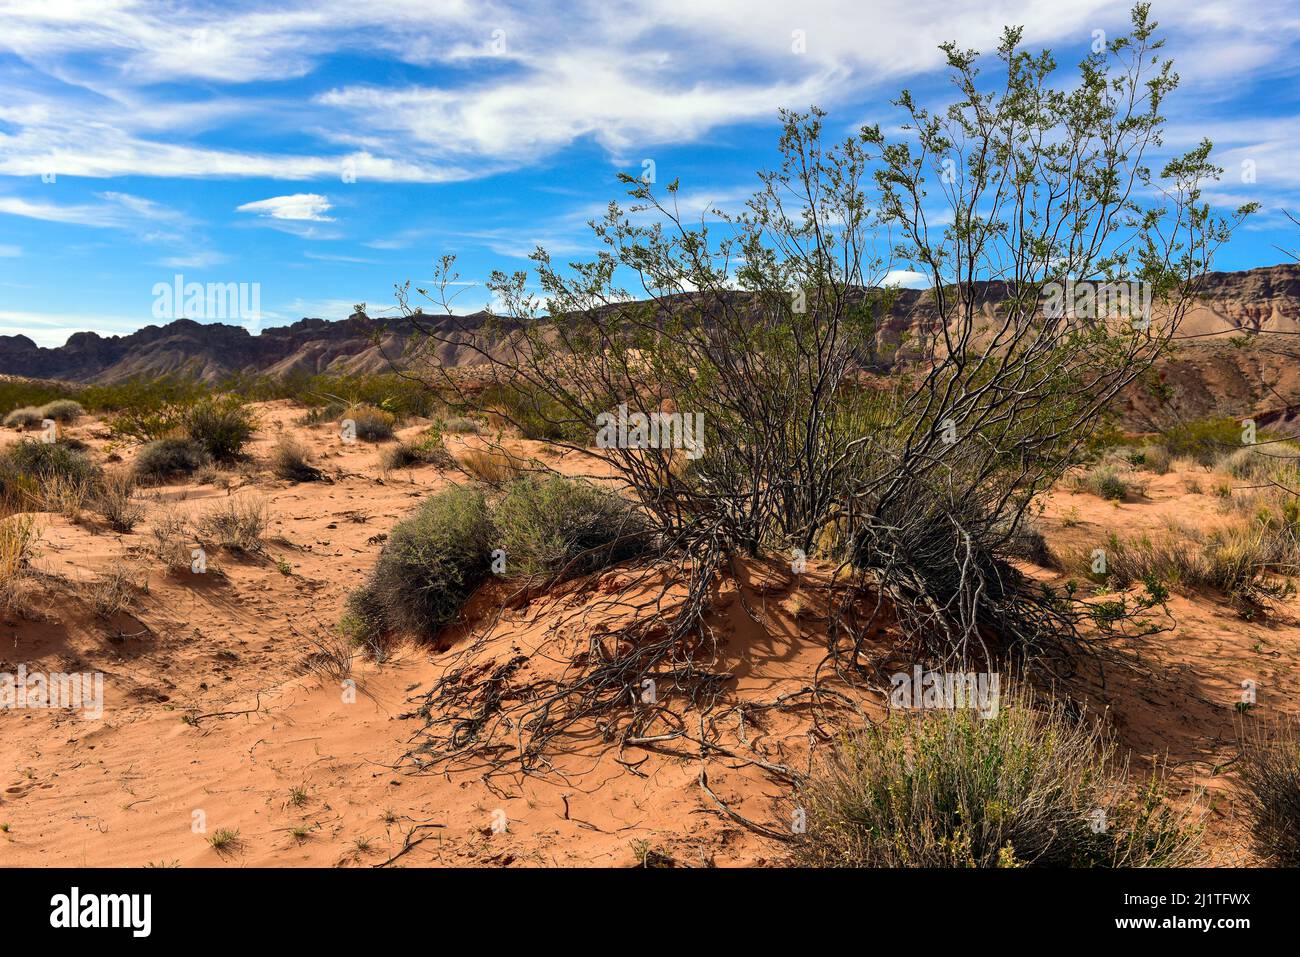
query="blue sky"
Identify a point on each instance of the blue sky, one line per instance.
(328, 150)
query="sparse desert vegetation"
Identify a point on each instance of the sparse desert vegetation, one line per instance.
(718, 546)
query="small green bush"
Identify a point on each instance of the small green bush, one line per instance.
(25, 418)
(169, 458)
(62, 410)
(222, 426)
(1203, 440)
(372, 425)
(430, 564)
(954, 789)
(559, 526)
(1108, 482)
(405, 455)
(46, 462)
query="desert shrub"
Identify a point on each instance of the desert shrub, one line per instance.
(62, 410)
(330, 412)
(171, 541)
(1150, 458)
(31, 393)
(26, 417)
(371, 424)
(113, 499)
(428, 567)
(236, 525)
(1269, 776)
(163, 459)
(493, 466)
(145, 410)
(953, 789)
(566, 527)
(221, 426)
(536, 414)
(1204, 441)
(291, 460)
(460, 425)
(1108, 482)
(51, 475)
(1277, 462)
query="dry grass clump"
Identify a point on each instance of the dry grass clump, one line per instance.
(1242, 559)
(1028, 787)
(49, 476)
(291, 461)
(427, 450)
(330, 658)
(113, 500)
(171, 541)
(28, 417)
(1272, 463)
(18, 537)
(493, 466)
(1151, 458)
(236, 525)
(113, 592)
(1269, 775)
(371, 424)
(1110, 482)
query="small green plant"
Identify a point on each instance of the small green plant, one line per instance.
(225, 839)
(170, 458)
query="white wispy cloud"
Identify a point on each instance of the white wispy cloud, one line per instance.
(526, 81)
(299, 206)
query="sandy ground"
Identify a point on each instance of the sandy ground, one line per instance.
(309, 774)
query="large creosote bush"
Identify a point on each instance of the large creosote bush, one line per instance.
(565, 527)
(1029, 786)
(430, 564)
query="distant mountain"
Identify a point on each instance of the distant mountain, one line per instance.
(1210, 372)
(211, 351)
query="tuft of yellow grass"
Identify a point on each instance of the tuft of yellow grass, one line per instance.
(18, 536)
(491, 466)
